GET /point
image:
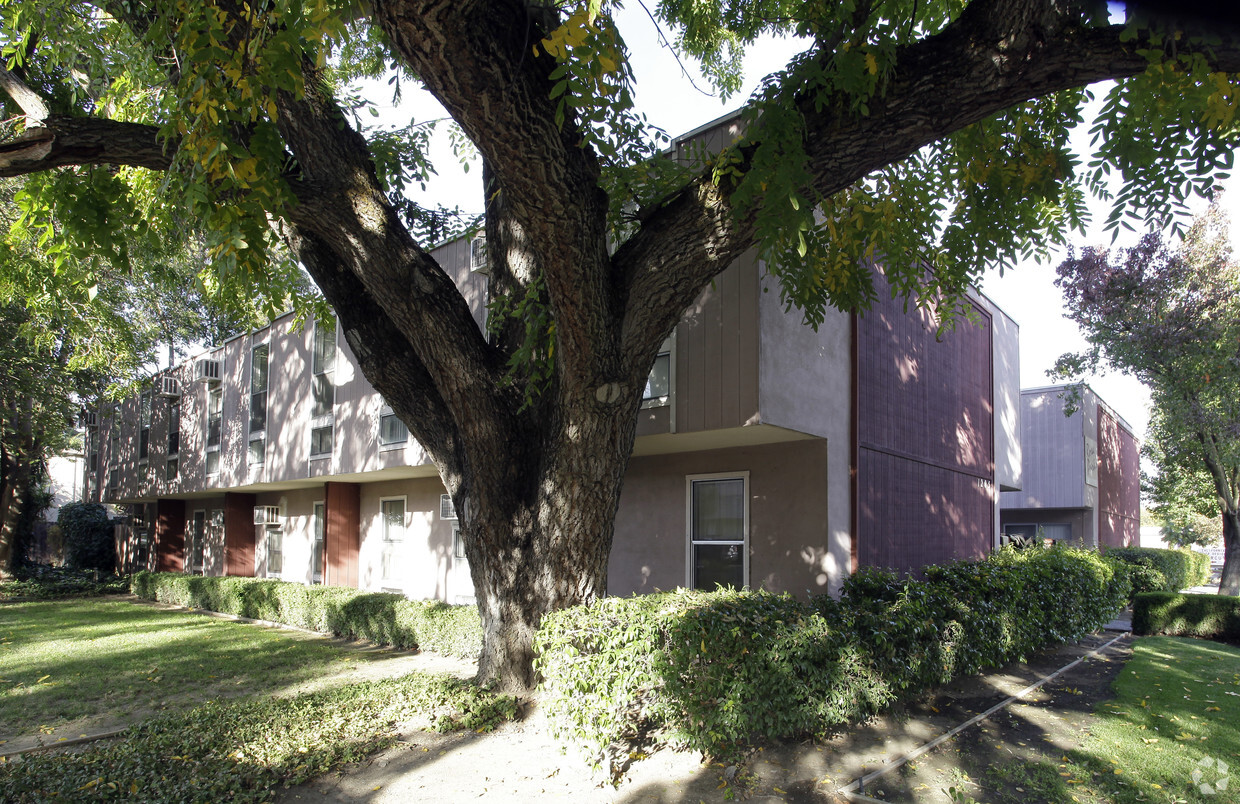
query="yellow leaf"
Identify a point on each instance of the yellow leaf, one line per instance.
(871, 64)
(40, 681)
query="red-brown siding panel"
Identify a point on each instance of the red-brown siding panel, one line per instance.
(1119, 484)
(342, 532)
(239, 534)
(912, 514)
(170, 535)
(925, 438)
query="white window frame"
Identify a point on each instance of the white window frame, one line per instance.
(385, 411)
(689, 542)
(668, 348)
(217, 447)
(384, 541)
(267, 531)
(327, 419)
(316, 507)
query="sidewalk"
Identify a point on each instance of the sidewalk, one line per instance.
(520, 761)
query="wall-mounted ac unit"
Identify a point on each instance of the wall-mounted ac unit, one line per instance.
(207, 371)
(88, 419)
(168, 386)
(446, 509)
(479, 263)
(267, 515)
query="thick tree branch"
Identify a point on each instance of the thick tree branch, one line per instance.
(63, 141)
(24, 96)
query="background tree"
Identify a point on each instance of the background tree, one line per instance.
(1171, 318)
(1181, 489)
(931, 132)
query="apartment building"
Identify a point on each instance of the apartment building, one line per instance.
(768, 454)
(1082, 474)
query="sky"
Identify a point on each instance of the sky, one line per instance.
(676, 103)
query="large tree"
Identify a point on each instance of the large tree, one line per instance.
(930, 133)
(1171, 318)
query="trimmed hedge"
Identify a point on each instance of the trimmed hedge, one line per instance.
(1164, 570)
(381, 617)
(713, 671)
(1202, 616)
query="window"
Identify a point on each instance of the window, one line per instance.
(215, 420)
(92, 448)
(458, 544)
(171, 469)
(275, 550)
(258, 389)
(659, 382)
(197, 537)
(316, 557)
(321, 441)
(323, 388)
(718, 530)
(174, 426)
(258, 447)
(392, 512)
(144, 426)
(392, 430)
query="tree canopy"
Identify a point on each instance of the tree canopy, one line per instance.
(929, 134)
(1171, 318)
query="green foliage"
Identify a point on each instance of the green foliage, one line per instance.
(89, 541)
(715, 671)
(38, 582)
(1173, 614)
(1163, 570)
(382, 618)
(241, 751)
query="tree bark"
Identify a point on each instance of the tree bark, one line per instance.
(1229, 584)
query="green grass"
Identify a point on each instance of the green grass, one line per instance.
(1177, 704)
(241, 751)
(90, 658)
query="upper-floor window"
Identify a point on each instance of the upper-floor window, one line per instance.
(323, 388)
(659, 381)
(215, 420)
(258, 388)
(174, 426)
(392, 430)
(144, 426)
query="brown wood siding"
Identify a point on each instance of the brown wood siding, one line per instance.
(342, 532)
(170, 535)
(1119, 485)
(239, 534)
(925, 438)
(717, 355)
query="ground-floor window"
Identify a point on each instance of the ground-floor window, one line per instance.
(316, 557)
(1045, 533)
(718, 520)
(392, 513)
(197, 537)
(274, 538)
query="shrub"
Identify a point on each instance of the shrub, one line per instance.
(89, 543)
(715, 670)
(1172, 614)
(1179, 569)
(382, 618)
(41, 582)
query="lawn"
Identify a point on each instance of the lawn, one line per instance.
(93, 663)
(1175, 716)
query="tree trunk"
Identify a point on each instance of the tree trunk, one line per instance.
(1230, 583)
(13, 493)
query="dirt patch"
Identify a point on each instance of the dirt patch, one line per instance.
(521, 762)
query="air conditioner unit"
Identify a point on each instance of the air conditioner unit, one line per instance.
(88, 419)
(168, 386)
(207, 371)
(479, 263)
(446, 509)
(267, 515)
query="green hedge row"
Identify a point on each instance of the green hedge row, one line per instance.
(713, 671)
(1157, 570)
(382, 618)
(1171, 614)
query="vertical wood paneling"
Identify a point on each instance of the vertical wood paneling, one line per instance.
(342, 532)
(170, 535)
(925, 433)
(239, 534)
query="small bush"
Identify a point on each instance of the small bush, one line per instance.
(715, 670)
(40, 582)
(89, 542)
(382, 618)
(1179, 569)
(1202, 616)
